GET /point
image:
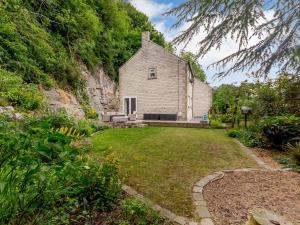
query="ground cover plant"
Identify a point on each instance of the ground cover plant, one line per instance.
(46, 178)
(164, 163)
(292, 158)
(130, 211)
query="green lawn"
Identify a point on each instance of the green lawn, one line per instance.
(164, 163)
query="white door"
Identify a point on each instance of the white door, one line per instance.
(130, 105)
(190, 108)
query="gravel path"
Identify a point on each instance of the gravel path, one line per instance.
(230, 198)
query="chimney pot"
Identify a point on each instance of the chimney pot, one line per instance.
(145, 36)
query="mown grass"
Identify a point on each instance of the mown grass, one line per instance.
(164, 163)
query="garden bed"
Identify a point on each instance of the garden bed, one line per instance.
(230, 198)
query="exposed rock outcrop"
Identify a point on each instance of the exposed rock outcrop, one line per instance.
(10, 111)
(58, 98)
(101, 90)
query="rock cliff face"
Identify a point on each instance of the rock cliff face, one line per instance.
(101, 90)
(60, 99)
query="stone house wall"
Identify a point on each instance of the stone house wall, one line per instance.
(167, 93)
(202, 98)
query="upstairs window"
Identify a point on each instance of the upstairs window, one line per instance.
(152, 73)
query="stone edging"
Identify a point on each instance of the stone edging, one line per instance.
(198, 199)
(261, 163)
(162, 211)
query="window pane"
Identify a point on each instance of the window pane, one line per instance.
(152, 73)
(126, 106)
(133, 105)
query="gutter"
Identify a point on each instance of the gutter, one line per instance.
(178, 84)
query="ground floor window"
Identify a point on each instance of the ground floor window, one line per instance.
(130, 105)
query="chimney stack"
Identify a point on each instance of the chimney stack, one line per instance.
(145, 37)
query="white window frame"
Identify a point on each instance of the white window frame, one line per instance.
(136, 103)
(150, 71)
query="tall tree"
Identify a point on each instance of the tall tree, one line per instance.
(279, 37)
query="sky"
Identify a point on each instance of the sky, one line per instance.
(154, 10)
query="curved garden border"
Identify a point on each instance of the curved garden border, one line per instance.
(162, 211)
(198, 199)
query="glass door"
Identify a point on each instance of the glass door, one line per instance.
(126, 106)
(130, 105)
(133, 105)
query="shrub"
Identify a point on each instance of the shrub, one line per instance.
(234, 133)
(216, 123)
(15, 92)
(280, 131)
(224, 118)
(295, 151)
(136, 212)
(98, 127)
(90, 113)
(44, 179)
(52, 120)
(84, 127)
(274, 132)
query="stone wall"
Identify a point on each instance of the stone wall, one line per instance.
(202, 98)
(167, 93)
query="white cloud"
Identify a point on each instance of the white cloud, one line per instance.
(151, 8)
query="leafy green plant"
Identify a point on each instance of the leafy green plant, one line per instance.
(136, 212)
(42, 47)
(15, 92)
(295, 152)
(85, 127)
(216, 124)
(274, 132)
(45, 179)
(90, 113)
(234, 133)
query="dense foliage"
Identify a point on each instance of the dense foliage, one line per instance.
(42, 40)
(45, 177)
(274, 119)
(272, 132)
(273, 98)
(13, 91)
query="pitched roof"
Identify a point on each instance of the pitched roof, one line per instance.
(171, 53)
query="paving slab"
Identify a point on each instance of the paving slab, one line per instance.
(207, 221)
(203, 212)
